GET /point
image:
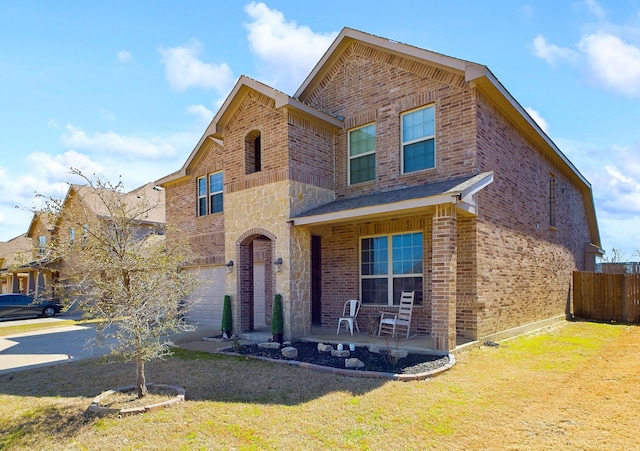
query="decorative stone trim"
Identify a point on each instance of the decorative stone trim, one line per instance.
(96, 409)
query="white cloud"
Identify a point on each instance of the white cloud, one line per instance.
(124, 56)
(201, 112)
(114, 143)
(539, 119)
(184, 69)
(610, 55)
(594, 8)
(551, 53)
(614, 174)
(53, 169)
(613, 62)
(287, 51)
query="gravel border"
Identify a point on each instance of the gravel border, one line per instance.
(348, 372)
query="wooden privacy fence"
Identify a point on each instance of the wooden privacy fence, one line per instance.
(606, 297)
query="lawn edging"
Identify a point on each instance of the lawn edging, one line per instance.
(348, 372)
(96, 409)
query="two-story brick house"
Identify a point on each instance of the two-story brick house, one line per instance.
(40, 269)
(391, 168)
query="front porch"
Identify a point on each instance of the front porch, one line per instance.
(415, 343)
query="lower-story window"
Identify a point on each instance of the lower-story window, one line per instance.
(389, 265)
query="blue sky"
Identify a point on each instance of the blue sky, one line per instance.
(126, 88)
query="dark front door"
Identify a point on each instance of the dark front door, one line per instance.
(316, 280)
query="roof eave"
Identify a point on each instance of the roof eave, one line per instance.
(348, 35)
(460, 195)
(491, 86)
(216, 128)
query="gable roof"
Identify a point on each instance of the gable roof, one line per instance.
(477, 75)
(40, 217)
(9, 250)
(96, 200)
(216, 129)
(482, 78)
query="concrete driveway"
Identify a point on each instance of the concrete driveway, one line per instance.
(45, 347)
(60, 344)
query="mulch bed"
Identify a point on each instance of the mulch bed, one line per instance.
(373, 361)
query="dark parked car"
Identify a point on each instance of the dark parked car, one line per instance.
(15, 304)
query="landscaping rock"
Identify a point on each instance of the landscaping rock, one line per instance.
(324, 348)
(343, 353)
(399, 353)
(289, 352)
(353, 363)
(269, 345)
(396, 353)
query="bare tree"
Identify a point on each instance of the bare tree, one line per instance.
(120, 269)
(617, 256)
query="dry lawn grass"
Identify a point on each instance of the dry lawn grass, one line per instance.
(576, 386)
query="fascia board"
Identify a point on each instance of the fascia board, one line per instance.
(487, 82)
(348, 35)
(472, 186)
(373, 210)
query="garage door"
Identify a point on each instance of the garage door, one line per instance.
(208, 297)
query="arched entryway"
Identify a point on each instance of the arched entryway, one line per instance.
(255, 280)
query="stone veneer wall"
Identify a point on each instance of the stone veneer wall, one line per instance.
(267, 208)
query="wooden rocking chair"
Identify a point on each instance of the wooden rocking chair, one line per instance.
(390, 321)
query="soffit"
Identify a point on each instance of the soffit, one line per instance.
(458, 191)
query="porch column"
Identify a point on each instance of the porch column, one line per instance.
(15, 283)
(32, 283)
(443, 279)
(40, 285)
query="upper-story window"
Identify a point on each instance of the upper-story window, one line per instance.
(42, 244)
(85, 234)
(72, 235)
(202, 196)
(418, 140)
(362, 154)
(253, 152)
(210, 193)
(552, 200)
(215, 192)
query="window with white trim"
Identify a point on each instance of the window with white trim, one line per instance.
(215, 192)
(362, 154)
(202, 196)
(42, 244)
(389, 265)
(418, 140)
(210, 193)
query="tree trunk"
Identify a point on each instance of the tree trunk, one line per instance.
(141, 383)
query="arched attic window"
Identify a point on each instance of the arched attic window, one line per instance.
(253, 152)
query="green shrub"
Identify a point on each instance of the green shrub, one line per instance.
(227, 321)
(277, 320)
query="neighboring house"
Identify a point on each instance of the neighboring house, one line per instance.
(391, 168)
(11, 253)
(41, 272)
(619, 267)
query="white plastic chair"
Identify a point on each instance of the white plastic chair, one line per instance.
(349, 314)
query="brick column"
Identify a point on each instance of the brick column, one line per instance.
(443, 279)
